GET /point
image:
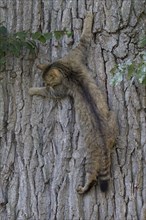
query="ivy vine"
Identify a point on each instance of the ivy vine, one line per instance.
(13, 43)
(131, 69)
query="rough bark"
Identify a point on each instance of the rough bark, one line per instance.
(40, 157)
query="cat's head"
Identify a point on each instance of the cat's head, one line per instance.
(55, 78)
(51, 75)
(52, 78)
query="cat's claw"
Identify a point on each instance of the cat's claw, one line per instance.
(80, 190)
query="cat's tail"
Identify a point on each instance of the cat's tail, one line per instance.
(104, 175)
(104, 185)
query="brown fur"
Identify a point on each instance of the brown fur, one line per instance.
(69, 76)
(143, 212)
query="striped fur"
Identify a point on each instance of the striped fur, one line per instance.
(97, 123)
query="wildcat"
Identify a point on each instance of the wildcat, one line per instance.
(69, 76)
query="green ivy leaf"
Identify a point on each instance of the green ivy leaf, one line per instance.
(31, 45)
(2, 61)
(131, 69)
(3, 31)
(36, 35)
(4, 46)
(58, 34)
(113, 70)
(143, 42)
(144, 81)
(14, 49)
(142, 78)
(42, 39)
(48, 36)
(118, 77)
(69, 33)
(21, 35)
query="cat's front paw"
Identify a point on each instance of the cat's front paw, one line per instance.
(32, 91)
(80, 190)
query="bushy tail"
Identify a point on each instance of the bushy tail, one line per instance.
(104, 185)
(104, 175)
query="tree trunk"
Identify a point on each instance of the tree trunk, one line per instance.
(40, 160)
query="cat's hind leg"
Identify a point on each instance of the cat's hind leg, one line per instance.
(40, 91)
(91, 179)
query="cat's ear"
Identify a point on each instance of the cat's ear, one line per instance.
(42, 66)
(56, 73)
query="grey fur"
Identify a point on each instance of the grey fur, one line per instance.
(97, 123)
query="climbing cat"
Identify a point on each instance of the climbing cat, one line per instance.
(70, 76)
